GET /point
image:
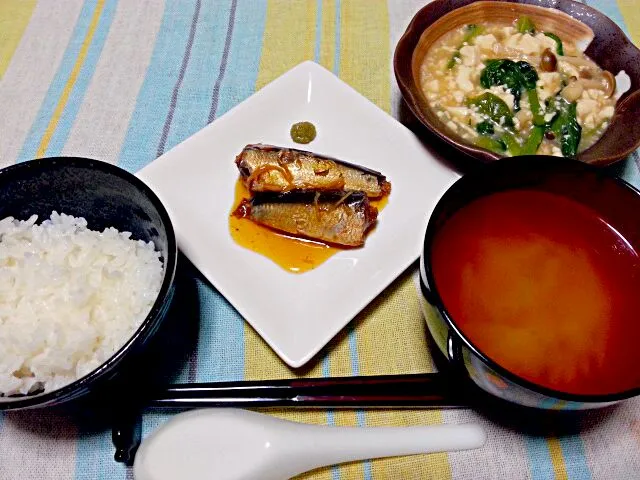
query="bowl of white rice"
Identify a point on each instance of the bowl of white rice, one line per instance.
(87, 262)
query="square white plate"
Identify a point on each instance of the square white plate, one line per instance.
(297, 314)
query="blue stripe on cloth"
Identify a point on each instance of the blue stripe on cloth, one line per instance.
(93, 448)
(634, 178)
(353, 339)
(629, 169)
(243, 62)
(220, 353)
(540, 463)
(186, 57)
(575, 461)
(31, 143)
(611, 10)
(360, 415)
(221, 338)
(224, 61)
(139, 148)
(152, 105)
(65, 123)
(191, 111)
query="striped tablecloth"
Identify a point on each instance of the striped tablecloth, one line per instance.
(123, 81)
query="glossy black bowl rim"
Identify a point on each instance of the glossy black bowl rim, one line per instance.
(525, 163)
(169, 266)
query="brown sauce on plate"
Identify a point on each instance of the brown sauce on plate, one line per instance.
(296, 255)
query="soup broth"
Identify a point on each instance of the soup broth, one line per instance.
(544, 287)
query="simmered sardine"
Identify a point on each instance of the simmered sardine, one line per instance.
(341, 218)
(266, 168)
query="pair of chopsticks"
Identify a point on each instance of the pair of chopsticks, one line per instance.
(430, 390)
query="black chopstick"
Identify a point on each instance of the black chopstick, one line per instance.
(433, 390)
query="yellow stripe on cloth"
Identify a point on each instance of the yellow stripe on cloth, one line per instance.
(14, 18)
(390, 333)
(365, 52)
(557, 459)
(392, 339)
(289, 39)
(631, 15)
(261, 363)
(328, 35)
(71, 81)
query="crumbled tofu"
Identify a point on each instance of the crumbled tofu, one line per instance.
(585, 107)
(591, 122)
(470, 132)
(475, 117)
(524, 118)
(469, 55)
(605, 113)
(486, 42)
(452, 125)
(526, 43)
(463, 78)
(556, 152)
(568, 69)
(512, 41)
(498, 91)
(433, 85)
(546, 42)
(549, 116)
(432, 96)
(459, 113)
(549, 83)
(529, 44)
(458, 96)
(595, 94)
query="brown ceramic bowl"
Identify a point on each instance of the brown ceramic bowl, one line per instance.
(610, 49)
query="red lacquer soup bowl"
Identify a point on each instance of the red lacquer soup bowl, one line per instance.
(533, 267)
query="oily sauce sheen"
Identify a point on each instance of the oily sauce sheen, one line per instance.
(544, 287)
(296, 255)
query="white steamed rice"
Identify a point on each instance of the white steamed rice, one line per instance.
(70, 297)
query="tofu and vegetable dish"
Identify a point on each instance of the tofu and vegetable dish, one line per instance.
(518, 90)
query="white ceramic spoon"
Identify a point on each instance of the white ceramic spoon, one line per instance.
(231, 444)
